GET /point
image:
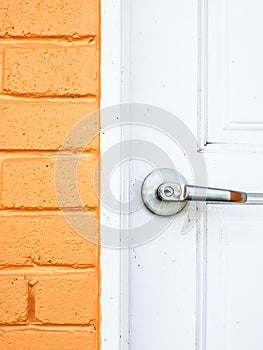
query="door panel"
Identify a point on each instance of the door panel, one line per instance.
(233, 72)
(234, 288)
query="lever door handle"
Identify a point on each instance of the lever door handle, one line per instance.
(174, 192)
(166, 192)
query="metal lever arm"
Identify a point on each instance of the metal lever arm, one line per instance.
(173, 192)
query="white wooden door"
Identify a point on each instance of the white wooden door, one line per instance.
(199, 287)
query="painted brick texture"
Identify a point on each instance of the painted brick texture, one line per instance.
(34, 242)
(29, 183)
(47, 340)
(36, 18)
(13, 300)
(50, 80)
(52, 119)
(51, 70)
(66, 299)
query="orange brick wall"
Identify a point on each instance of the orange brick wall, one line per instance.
(49, 275)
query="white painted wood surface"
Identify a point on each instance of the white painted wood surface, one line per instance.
(163, 52)
(110, 262)
(201, 61)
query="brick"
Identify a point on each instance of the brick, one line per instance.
(1, 65)
(42, 239)
(51, 70)
(30, 183)
(49, 18)
(67, 300)
(42, 125)
(13, 300)
(32, 339)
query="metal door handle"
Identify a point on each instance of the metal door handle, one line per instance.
(166, 192)
(174, 192)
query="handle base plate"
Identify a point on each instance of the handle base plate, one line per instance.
(150, 194)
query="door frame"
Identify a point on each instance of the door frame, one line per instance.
(114, 263)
